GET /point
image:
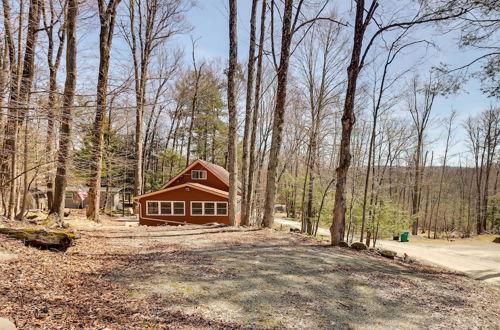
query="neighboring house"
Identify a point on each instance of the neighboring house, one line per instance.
(199, 194)
(36, 199)
(110, 198)
(76, 197)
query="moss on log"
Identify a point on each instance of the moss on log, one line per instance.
(41, 238)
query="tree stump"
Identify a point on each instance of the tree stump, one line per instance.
(41, 238)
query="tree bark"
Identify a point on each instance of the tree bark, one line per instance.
(255, 115)
(53, 65)
(57, 208)
(279, 115)
(233, 114)
(248, 116)
(348, 120)
(107, 17)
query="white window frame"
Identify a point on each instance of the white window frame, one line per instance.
(171, 208)
(216, 214)
(203, 172)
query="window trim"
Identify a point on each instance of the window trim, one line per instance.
(203, 209)
(171, 208)
(205, 176)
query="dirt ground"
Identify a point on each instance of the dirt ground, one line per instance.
(193, 277)
(477, 257)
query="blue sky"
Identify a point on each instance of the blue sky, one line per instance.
(210, 28)
(209, 22)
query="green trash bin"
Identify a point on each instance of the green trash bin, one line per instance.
(404, 236)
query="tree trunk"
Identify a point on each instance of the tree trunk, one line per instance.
(279, 115)
(53, 65)
(348, 120)
(107, 22)
(248, 116)
(233, 114)
(57, 208)
(255, 114)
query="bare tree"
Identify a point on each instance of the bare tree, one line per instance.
(107, 19)
(255, 115)
(348, 119)
(50, 20)
(248, 115)
(24, 90)
(420, 114)
(151, 23)
(57, 208)
(279, 111)
(449, 126)
(231, 105)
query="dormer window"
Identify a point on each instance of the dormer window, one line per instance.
(198, 175)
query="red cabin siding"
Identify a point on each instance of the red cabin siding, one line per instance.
(211, 181)
(186, 195)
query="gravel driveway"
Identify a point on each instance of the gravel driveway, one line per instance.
(479, 260)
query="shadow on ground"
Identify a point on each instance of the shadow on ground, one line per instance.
(274, 280)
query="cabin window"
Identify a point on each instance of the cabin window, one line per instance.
(69, 195)
(208, 208)
(196, 208)
(164, 208)
(152, 208)
(198, 175)
(221, 208)
(179, 208)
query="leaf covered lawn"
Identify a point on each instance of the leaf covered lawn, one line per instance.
(191, 277)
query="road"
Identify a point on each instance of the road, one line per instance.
(478, 259)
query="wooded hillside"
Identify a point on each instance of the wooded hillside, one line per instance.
(335, 110)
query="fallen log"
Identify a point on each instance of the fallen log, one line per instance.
(41, 238)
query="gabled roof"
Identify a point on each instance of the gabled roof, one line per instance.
(220, 172)
(198, 186)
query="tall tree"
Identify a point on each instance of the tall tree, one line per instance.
(151, 24)
(420, 114)
(449, 129)
(279, 113)
(51, 17)
(57, 207)
(107, 19)
(248, 115)
(255, 115)
(231, 105)
(348, 119)
(24, 93)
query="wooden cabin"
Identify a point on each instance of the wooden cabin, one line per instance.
(198, 195)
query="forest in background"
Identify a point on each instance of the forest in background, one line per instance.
(330, 111)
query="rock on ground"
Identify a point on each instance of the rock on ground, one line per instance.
(359, 246)
(6, 324)
(387, 253)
